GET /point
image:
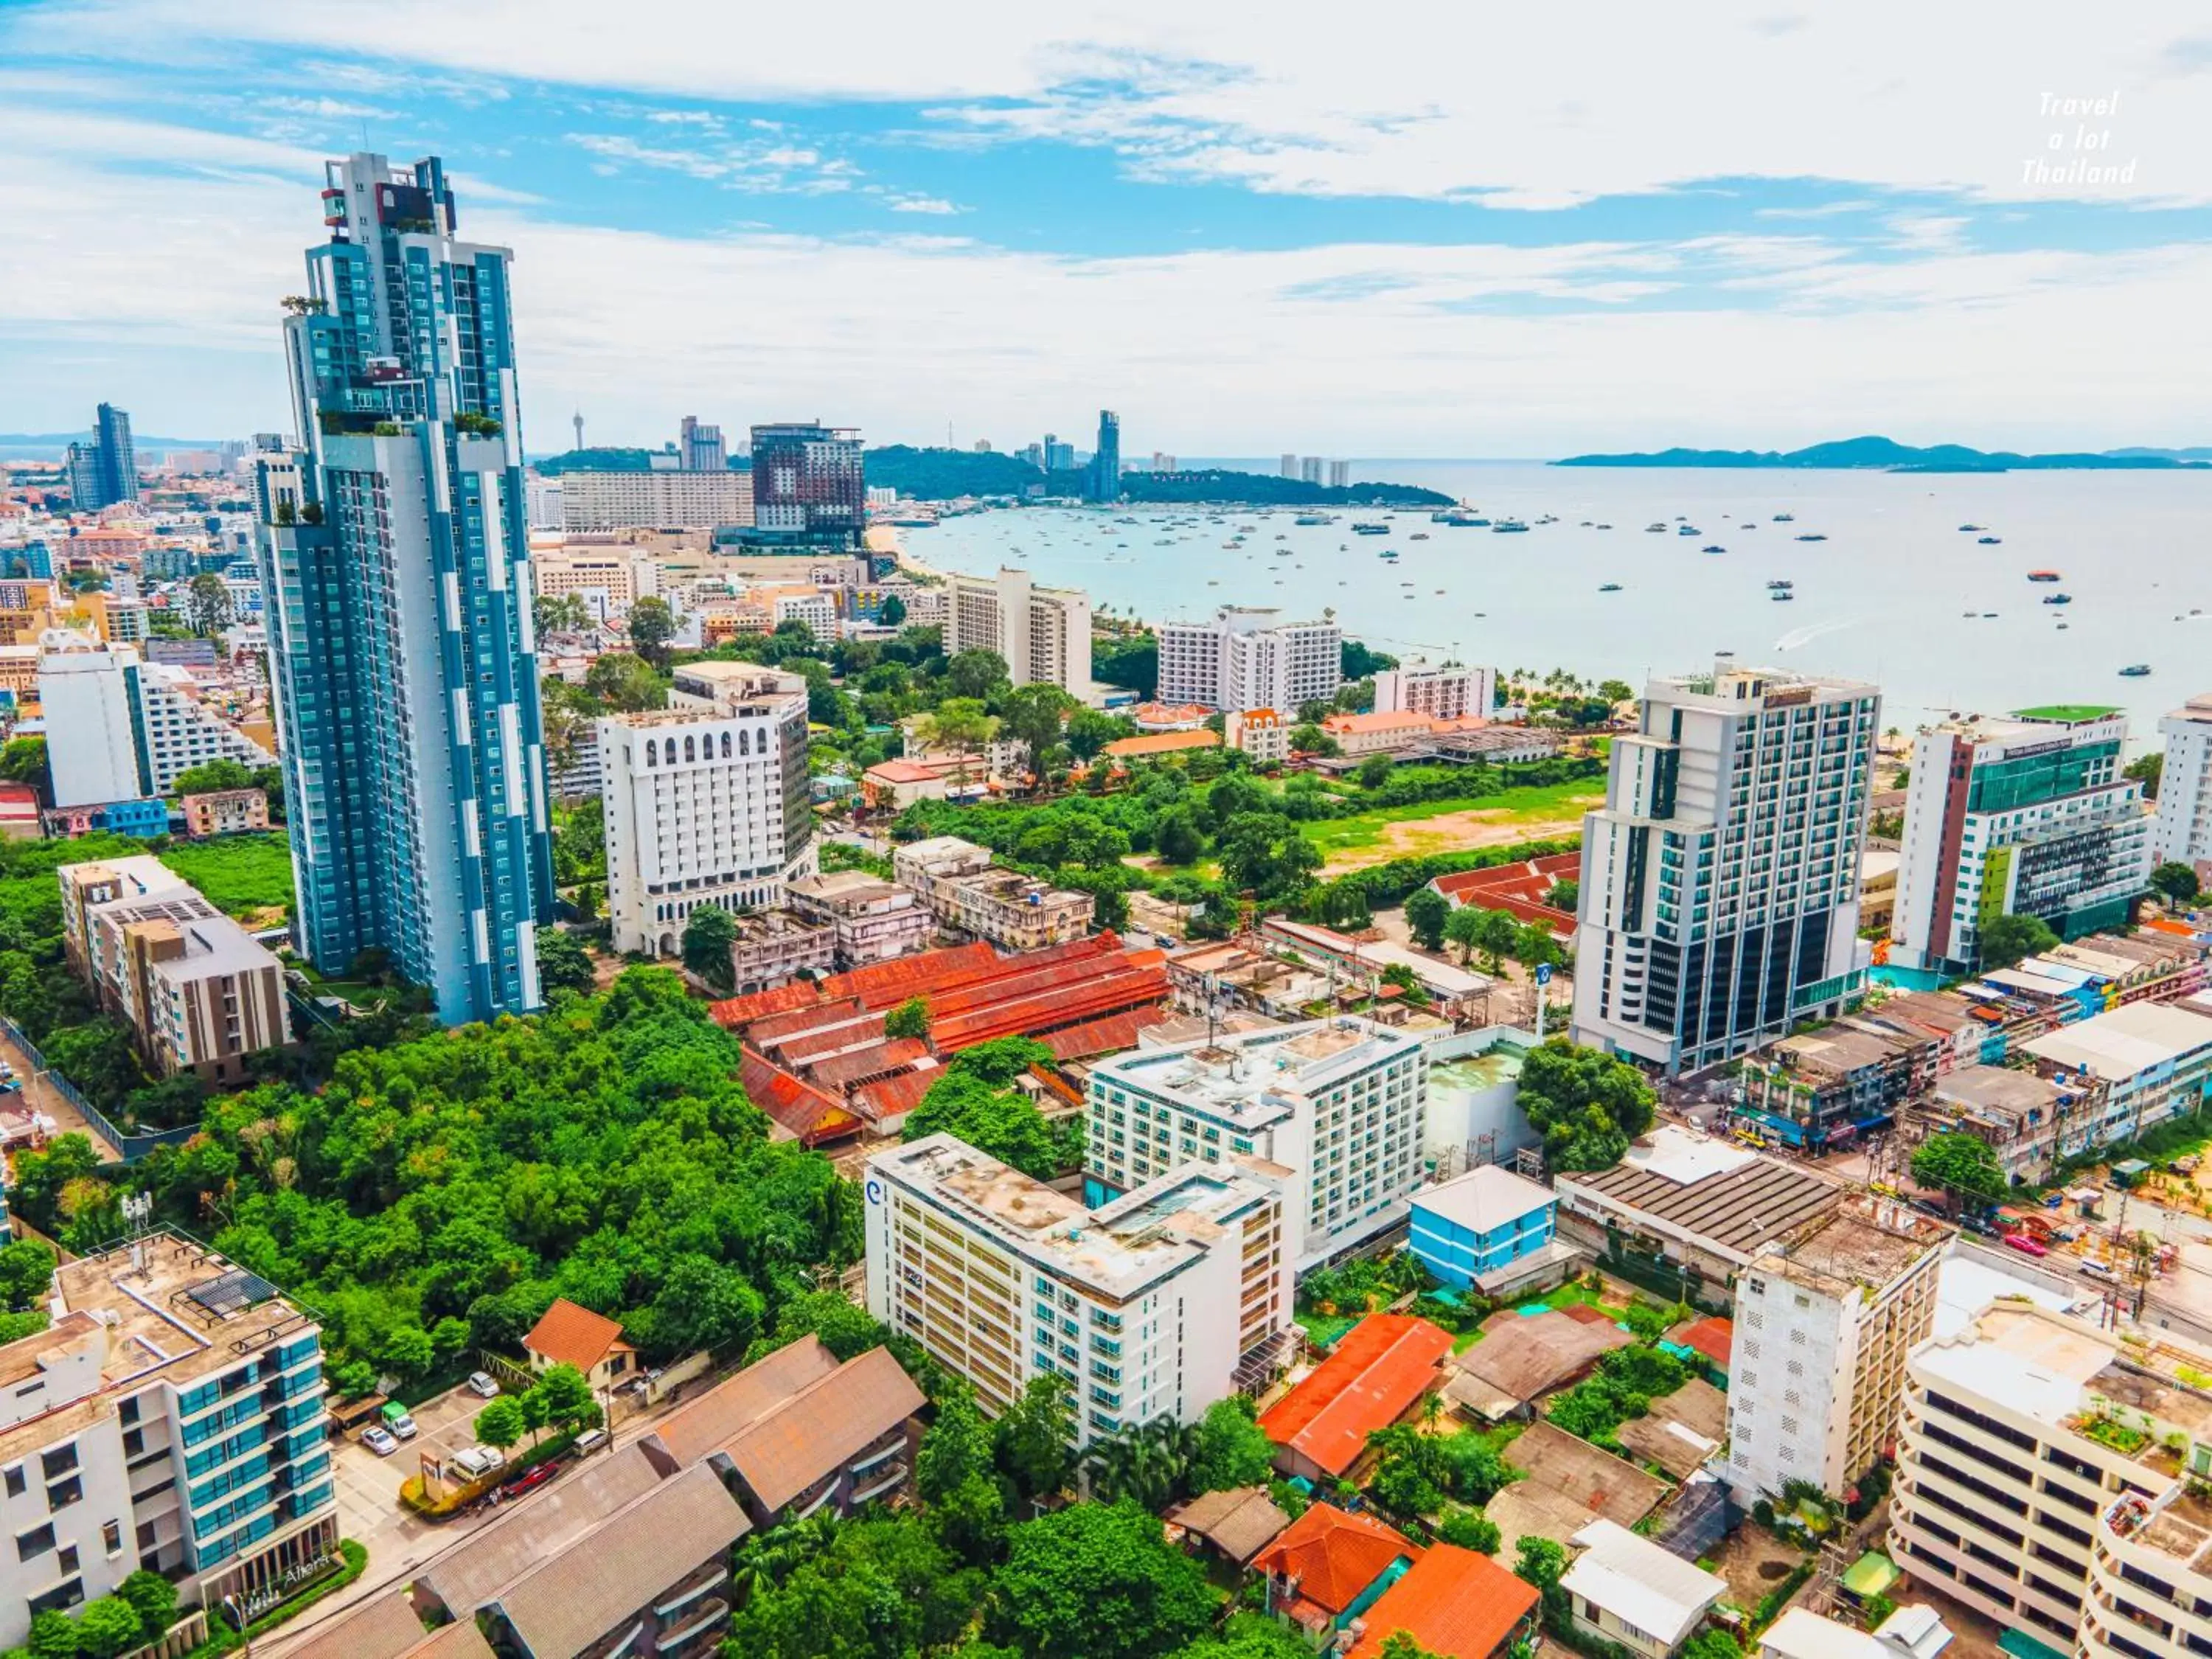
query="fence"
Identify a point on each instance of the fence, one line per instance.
(132, 1148)
(190, 1631)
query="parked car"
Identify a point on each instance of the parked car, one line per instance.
(481, 1386)
(379, 1440)
(395, 1418)
(536, 1478)
(590, 1440)
(478, 1460)
(2026, 1245)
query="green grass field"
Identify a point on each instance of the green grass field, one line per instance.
(247, 877)
(1515, 809)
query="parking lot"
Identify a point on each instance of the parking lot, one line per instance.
(369, 1509)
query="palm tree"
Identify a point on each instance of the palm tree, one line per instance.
(770, 1557)
(1148, 1463)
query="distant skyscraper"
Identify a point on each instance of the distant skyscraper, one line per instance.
(1105, 481)
(1164, 462)
(1058, 457)
(1290, 466)
(808, 483)
(1310, 469)
(1339, 475)
(700, 449)
(400, 637)
(2184, 831)
(1720, 880)
(105, 470)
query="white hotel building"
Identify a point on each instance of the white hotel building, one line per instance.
(2184, 831)
(1337, 1104)
(706, 802)
(659, 500)
(1449, 693)
(1043, 633)
(1154, 1304)
(1245, 658)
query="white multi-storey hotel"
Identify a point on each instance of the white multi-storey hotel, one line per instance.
(706, 802)
(1156, 1304)
(1043, 633)
(1720, 880)
(2184, 831)
(662, 500)
(1451, 692)
(2052, 1476)
(1339, 1104)
(1245, 658)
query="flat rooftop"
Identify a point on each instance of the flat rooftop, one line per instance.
(1254, 1078)
(1851, 1248)
(1718, 1196)
(2038, 1362)
(2128, 1040)
(1996, 1091)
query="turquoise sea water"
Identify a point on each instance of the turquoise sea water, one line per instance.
(1883, 598)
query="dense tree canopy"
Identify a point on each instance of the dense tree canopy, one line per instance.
(1588, 1105)
(1098, 1580)
(1961, 1164)
(2006, 939)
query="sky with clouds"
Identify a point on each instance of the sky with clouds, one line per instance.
(1386, 230)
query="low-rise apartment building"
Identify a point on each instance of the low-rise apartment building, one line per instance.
(225, 812)
(2137, 1066)
(1449, 691)
(869, 919)
(773, 947)
(665, 499)
(1262, 733)
(957, 880)
(1157, 1304)
(171, 1418)
(199, 994)
(1823, 1325)
(1336, 1103)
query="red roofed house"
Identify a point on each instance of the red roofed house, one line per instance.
(1376, 1377)
(1712, 1337)
(571, 1335)
(1329, 1566)
(1522, 890)
(1454, 1603)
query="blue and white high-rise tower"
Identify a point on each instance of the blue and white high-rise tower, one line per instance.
(396, 563)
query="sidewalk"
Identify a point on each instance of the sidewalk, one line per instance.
(42, 1096)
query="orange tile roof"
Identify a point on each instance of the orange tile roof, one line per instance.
(903, 771)
(1399, 720)
(1454, 1603)
(1334, 1555)
(571, 1335)
(1163, 743)
(809, 1113)
(1383, 1365)
(1712, 1337)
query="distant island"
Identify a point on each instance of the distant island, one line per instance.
(944, 475)
(1887, 455)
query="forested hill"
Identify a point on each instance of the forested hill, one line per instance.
(939, 475)
(1886, 454)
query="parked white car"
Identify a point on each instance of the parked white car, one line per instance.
(481, 1386)
(379, 1440)
(478, 1460)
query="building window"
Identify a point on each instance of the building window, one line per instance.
(34, 1543)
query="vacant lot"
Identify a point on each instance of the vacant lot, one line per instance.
(246, 877)
(1372, 838)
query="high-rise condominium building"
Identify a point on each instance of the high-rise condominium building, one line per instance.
(1058, 457)
(1310, 469)
(2184, 834)
(1289, 465)
(1245, 658)
(402, 650)
(1104, 483)
(2028, 815)
(700, 448)
(808, 484)
(169, 1417)
(1450, 692)
(1150, 1306)
(2050, 1475)
(1043, 633)
(105, 470)
(1823, 1324)
(1338, 1103)
(1339, 475)
(1720, 880)
(665, 499)
(707, 801)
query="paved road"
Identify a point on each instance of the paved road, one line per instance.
(42, 1096)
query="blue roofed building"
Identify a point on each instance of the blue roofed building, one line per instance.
(1491, 1230)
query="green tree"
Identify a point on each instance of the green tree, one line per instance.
(892, 611)
(1229, 1448)
(2006, 939)
(1961, 1164)
(1249, 1636)
(153, 1597)
(53, 1636)
(708, 937)
(563, 964)
(564, 1399)
(1427, 913)
(106, 1627)
(1002, 1122)
(2148, 770)
(625, 685)
(23, 760)
(1721, 1644)
(1098, 1580)
(210, 776)
(1029, 1441)
(1400, 1645)
(1033, 716)
(910, 1018)
(1146, 1463)
(208, 606)
(1265, 853)
(1089, 731)
(1566, 894)
(1498, 934)
(1470, 1531)
(980, 675)
(27, 1270)
(652, 625)
(1615, 691)
(831, 1317)
(2175, 882)
(1308, 739)
(501, 1424)
(1375, 771)
(1176, 837)
(1588, 1105)
(1463, 927)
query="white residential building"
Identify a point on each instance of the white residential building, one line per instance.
(1451, 692)
(704, 805)
(668, 499)
(1246, 658)
(2050, 1475)
(1625, 1590)
(1720, 880)
(2184, 834)
(1823, 1324)
(2130, 1067)
(957, 880)
(182, 730)
(92, 747)
(1152, 1305)
(171, 1416)
(1043, 633)
(543, 504)
(2028, 815)
(1262, 733)
(1338, 1103)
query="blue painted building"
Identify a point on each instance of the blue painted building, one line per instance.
(395, 568)
(1489, 1229)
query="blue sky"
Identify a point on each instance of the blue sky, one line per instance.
(1408, 230)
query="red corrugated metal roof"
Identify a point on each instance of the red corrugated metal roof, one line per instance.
(1383, 1365)
(877, 1060)
(807, 1018)
(736, 1011)
(1102, 1036)
(1712, 1337)
(799, 1106)
(893, 1096)
(1454, 1603)
(880, 983)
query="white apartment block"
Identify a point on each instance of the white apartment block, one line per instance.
(1156, 1304)
(182, 730)
(2184, 831)
(543, 502)
(1451, 692)
(170, 1418)
(1823, 1325)
(2050, 1476)
(1244, 657)
(1262, 733)
(2028, 815)
(120, 729)
(957, 881)
(1043, 633)
(608, 581)
(1720, 880)
(661, 499)
(1338, 1103)
(703, 805)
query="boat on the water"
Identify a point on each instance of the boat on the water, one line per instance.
(1713, 547)
(1687, 530)
(1990, 541)
(1781, 593)
(1779, 583)
(1609, 587)
(2043, 576)
(1368, 527)
(1656, 529)
(1785, 518)
(1814, 537)
(2058, 599)
(1971, 529)
(1507, 526)
(2134, 671)
(1311, 519)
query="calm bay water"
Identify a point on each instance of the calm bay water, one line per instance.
(1883, 599)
